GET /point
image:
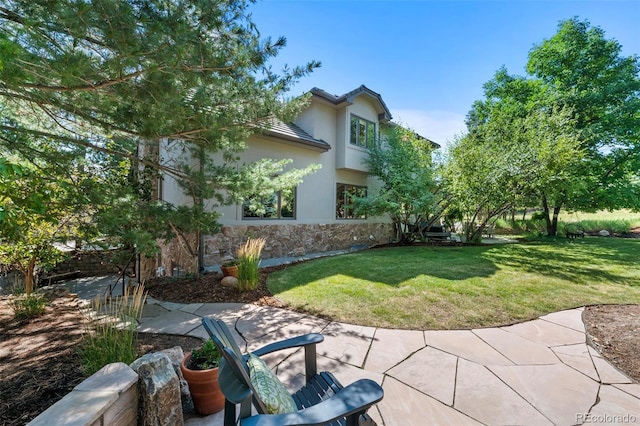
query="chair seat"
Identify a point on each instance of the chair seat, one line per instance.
(323, 386)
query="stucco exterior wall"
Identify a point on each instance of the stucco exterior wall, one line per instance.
(313, 194)
(172, 154)
(353, 156)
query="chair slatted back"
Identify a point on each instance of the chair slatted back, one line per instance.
(234, 379)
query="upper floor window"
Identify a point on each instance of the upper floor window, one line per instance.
(363, 132)
(345, 195)
(279, 205)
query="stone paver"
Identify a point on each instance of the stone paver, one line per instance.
(465, 344)
(571, 318)
(391, 347)
(347, 343)
(608, 373)
(305, 325)
(615, 407)
(546, 333)
(403, 405)
(431, 371)
(557, 391)
(486, 398)
(632, 389)
(173, 322)
(517, 349)
(263, 321)
(577, 357)
(152, 311)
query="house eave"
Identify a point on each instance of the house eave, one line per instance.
(278, 137)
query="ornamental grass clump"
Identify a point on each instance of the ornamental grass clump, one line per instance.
(27, 306)
(249, 262)
(111, 335)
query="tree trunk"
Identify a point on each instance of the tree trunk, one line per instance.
(554, 222)
(551, 219)
(29, 276)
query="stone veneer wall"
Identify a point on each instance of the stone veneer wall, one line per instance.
(93, 263)
(293, 240)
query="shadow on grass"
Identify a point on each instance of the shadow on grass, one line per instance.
(391, 266)
(580, 261)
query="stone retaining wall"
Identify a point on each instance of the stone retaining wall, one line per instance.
(292, 240)
(90, 263)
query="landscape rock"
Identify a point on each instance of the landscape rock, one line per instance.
(176, 355)
(604, 233)
(229, 281)
(159, 390)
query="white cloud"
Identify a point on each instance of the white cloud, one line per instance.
(438, 126)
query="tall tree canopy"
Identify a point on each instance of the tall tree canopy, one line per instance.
(579, 111)
(117, 77)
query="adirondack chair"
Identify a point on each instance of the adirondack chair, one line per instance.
(321, 401)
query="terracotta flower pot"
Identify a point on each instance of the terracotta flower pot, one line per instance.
(230, 271)
(203, 386)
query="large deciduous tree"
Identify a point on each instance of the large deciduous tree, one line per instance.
(118, 77)
(570, 129)
(586, 72)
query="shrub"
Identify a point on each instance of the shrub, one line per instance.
(28, 306)
(111, 335)
(618, 226)
(249, 263)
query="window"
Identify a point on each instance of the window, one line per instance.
(279, 205)
(345, 195)
(363, 132)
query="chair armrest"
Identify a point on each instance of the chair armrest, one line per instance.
(355, 398)
(294, 342)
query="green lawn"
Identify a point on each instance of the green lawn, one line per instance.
(463, 287)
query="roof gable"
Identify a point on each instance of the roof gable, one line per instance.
(348, 98)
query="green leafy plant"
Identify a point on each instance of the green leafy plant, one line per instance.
(111, 333)
(230, 263)
(28, 306)
(249, 263)
(205, 357)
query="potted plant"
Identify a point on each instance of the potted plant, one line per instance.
(200, 370)
(230, 268)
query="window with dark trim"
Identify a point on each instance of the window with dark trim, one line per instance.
(363, 132)
(279, 205)
(345, 195)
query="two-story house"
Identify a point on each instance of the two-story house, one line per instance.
(316, 216)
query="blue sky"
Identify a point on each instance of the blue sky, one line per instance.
(428, 59)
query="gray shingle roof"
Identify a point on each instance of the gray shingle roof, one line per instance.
(290, 131)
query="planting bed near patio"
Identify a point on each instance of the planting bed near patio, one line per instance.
(39, 359)
(39, 362)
